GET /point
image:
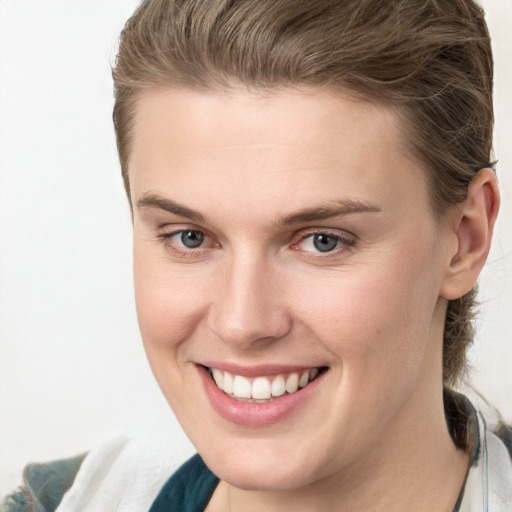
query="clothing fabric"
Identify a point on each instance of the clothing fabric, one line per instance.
(488, 486)
(188, 490)
(44, 486)
(121, 475)
(129, 476)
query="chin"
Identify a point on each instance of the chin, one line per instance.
(250, 478)
(262, 467)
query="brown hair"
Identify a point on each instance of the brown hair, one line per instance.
(429, 59)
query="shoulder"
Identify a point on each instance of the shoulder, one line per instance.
(488, 483)
(188, 489)
(504, 433)
(44, 486)
(119, 474)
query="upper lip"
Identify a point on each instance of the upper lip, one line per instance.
(258, 369)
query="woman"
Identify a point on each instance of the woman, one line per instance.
(313, 199)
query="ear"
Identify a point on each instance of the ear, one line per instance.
(472, 223)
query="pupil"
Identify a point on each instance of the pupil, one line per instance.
(192, 238)
(324, 243)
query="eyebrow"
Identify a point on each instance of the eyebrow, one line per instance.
(338, 209)
(156, 201)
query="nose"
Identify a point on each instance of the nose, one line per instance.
(249, 309)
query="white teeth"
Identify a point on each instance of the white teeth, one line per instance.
(242, 387)
(218, 377)
(261, 388)
(304, 379)
(292, 382)
(228, 383)
(278, 386)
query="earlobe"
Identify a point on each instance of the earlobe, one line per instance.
(473, 226)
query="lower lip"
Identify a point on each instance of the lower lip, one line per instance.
(254, 414)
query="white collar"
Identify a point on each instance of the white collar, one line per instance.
(488, 485)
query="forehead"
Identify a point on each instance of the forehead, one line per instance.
(288, 138)
(278, 116)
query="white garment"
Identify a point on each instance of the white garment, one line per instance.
(120, 476)
(489, 482)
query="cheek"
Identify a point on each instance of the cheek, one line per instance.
(376, 320)
(376, 324)
(169, 301)
(169, 309)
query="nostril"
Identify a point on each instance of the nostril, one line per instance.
(247, 309)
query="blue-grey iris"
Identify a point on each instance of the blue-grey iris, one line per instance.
(192, 239)
(325, 243)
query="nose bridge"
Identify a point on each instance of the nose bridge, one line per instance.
(250, 307)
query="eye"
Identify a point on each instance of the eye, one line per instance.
(190, 239)
(323, 243)
(186, 241)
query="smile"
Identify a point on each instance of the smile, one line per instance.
(262, 389)
(260, 396)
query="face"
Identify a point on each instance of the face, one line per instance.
(287, 275)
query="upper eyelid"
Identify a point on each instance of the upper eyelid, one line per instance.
(173, 229)
(175, 232)
(347, 241)
(339, 233)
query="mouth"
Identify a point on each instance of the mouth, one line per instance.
(260, 396)
(262, 389)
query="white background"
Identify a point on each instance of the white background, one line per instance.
(72, 369)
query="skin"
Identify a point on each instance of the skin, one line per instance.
(257, 291)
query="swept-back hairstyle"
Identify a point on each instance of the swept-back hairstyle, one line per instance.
(430, 60)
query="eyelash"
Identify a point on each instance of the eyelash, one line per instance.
(347, 243)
